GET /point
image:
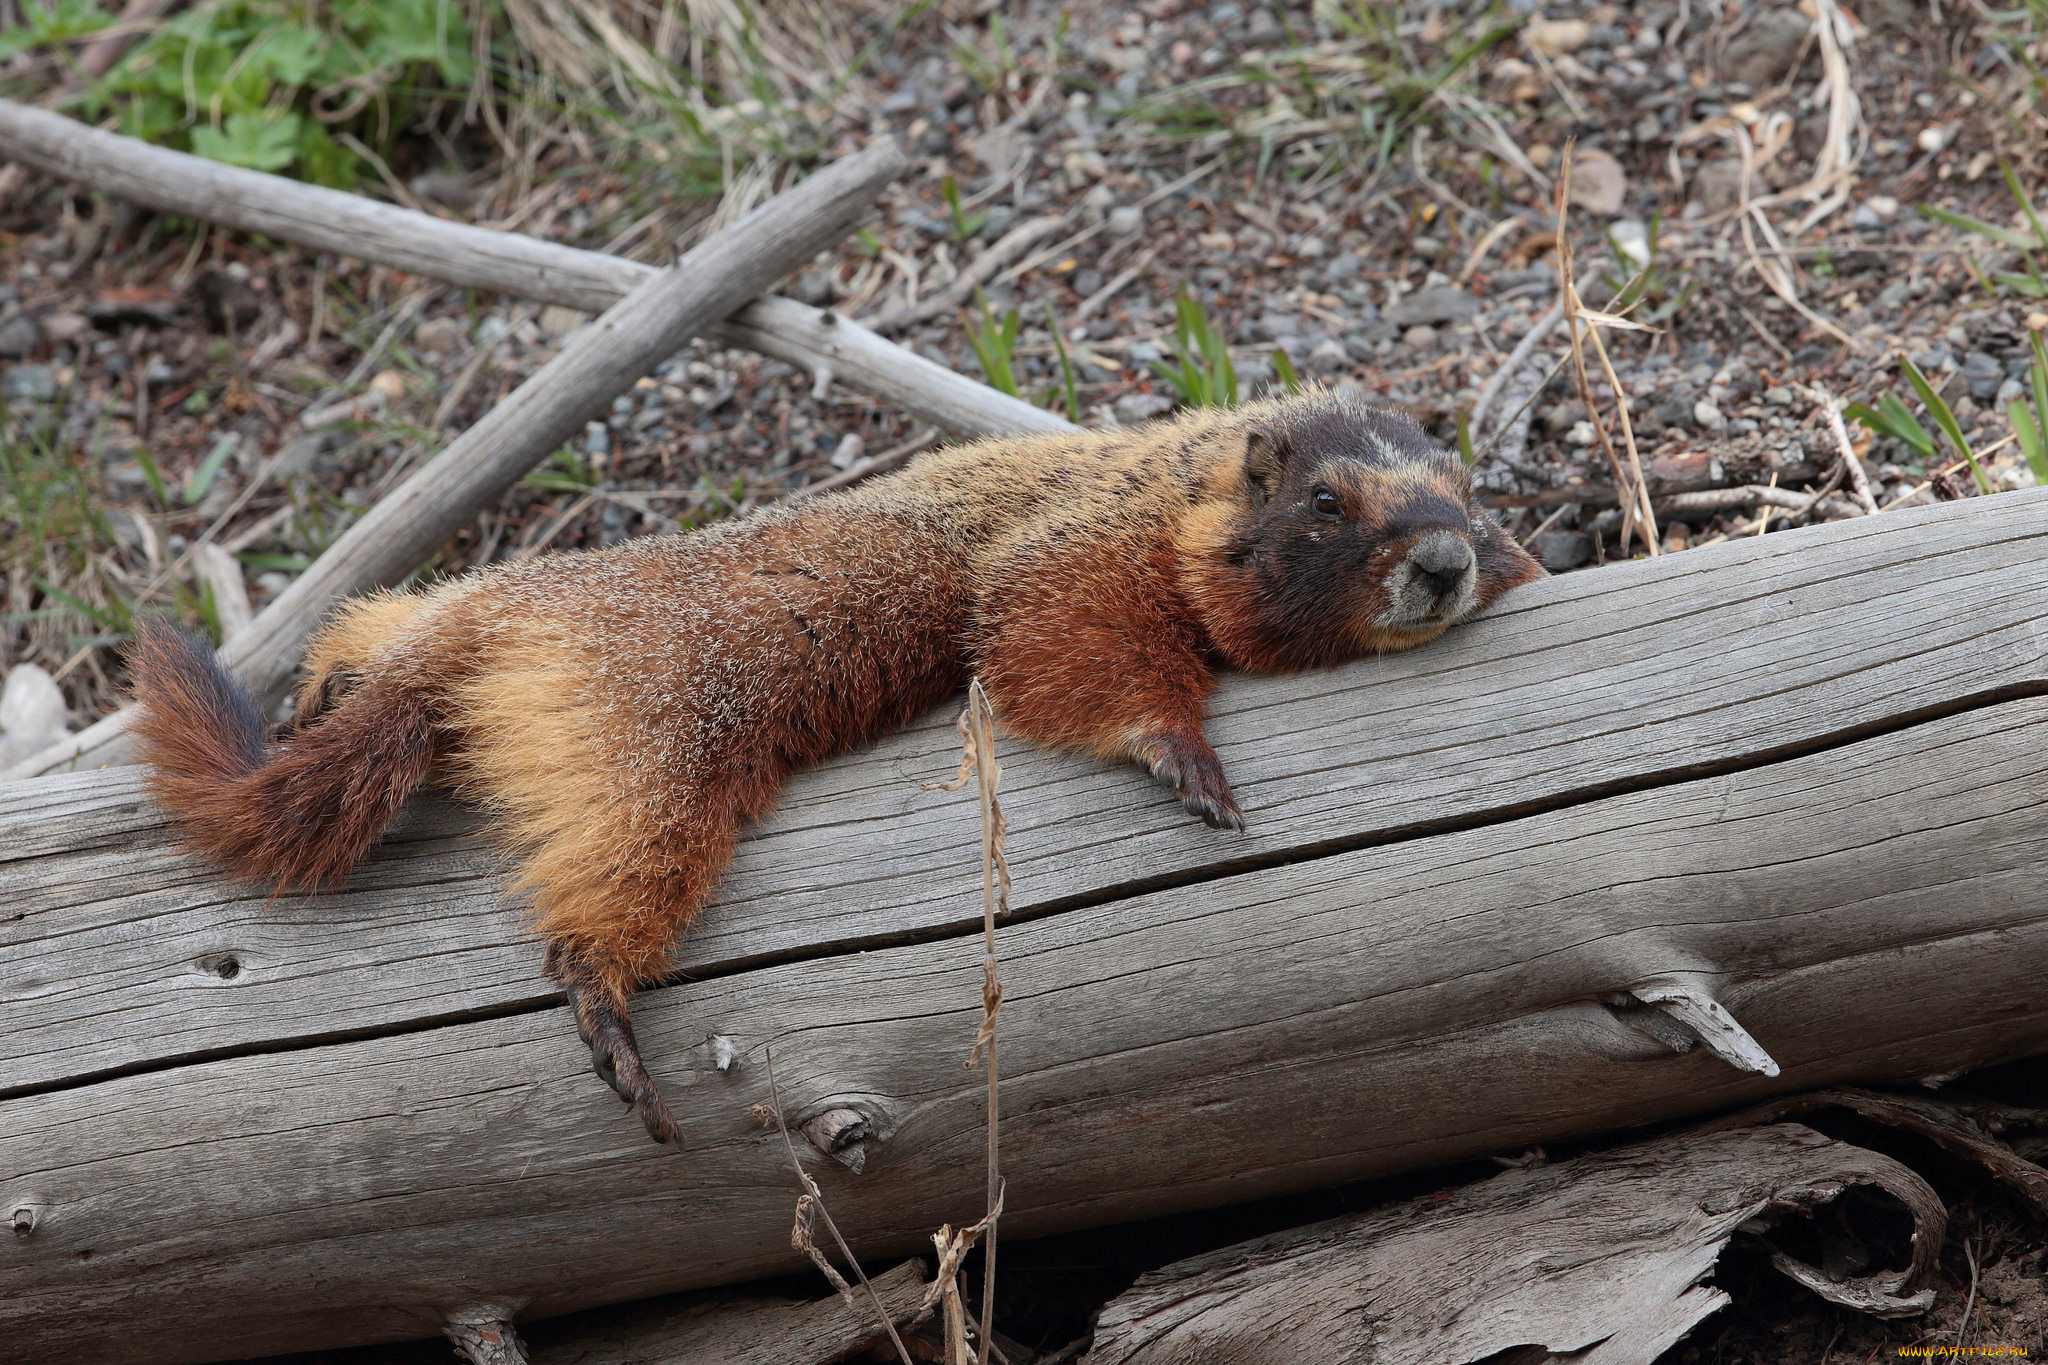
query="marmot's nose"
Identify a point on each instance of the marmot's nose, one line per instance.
(1443, 562)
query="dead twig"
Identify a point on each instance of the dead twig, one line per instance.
(813, 1202)
(1011, 245)
(1859, 481)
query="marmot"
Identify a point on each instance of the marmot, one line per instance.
(623, 712)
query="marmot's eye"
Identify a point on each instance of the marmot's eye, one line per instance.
(1324, 503)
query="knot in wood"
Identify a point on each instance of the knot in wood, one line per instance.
(843, 1135)
(24, 1219)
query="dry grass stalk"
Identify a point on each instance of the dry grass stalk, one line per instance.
(1635, 506)
(812, 1204)
(978, 756)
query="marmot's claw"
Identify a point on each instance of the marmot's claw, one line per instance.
(615, 1055)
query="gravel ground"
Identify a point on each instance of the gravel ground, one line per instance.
(1372, 201)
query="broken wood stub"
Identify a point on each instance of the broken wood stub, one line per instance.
(1601, 1259)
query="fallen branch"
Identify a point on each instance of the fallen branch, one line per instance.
(407, 524)
(1602, 1259)
(504, 262)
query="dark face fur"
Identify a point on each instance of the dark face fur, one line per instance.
(1359, 536)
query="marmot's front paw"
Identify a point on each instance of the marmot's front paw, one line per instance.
(1194, 772)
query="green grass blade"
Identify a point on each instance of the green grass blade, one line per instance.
(2004, 236)
(2027, 432)
(1284, 369)
(152, 475)
(2037, 375)
(2012, 182)
(1067, 386)
(202, 477)
(1945, 419)
(1898, 420)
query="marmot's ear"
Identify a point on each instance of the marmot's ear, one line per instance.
(1263, 461)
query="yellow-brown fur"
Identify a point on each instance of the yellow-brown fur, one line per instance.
(624, 713)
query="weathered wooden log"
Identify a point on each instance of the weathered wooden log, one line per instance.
(505, 262)
(664, 310)
(1799, 776)
(1601, 1259)
(697, 1329)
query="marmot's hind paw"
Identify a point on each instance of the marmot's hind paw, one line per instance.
(1191, 768)
(601, 1022)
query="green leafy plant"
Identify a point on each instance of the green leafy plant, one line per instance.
(2033, 244)
(1647, 286)
(994, 341)
(1200, 372)
(274, 85)
(564, 472)
(965, 225)
(1893, 418)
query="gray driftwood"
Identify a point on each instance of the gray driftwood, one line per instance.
(661, 312)
(505, 262)
(1600, 1260)
(723, 1329)
(1800, 776)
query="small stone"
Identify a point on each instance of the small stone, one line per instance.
(1342, 267)
(19, 335)
(1125, 219)
(1428, 248)
(390, 383)
(1705, 414)
(1718, 186)
(1420, 337)
(1632, 238)
(1328, 356)
(1778, 396)
(28, 384)
(1883, 205)
(1983, 374)
(33, 715)
(1598, 183)
(848, 452)
(1000, 217)
(1561, 551)
(1439, 305)
(1555, 37)
(1581, 434)
(813, 287)
(597, 439)
(1263, 26)
(1766, 50)
(61, 327)
(1134, 408)
(440, 336)
(1932, 140)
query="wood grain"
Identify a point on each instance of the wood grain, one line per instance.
(111, 943)
(1870, 911)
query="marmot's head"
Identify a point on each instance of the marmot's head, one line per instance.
(1350, 533)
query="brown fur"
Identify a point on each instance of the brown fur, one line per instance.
(623, 714)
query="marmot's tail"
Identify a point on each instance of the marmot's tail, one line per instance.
(302, 812)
